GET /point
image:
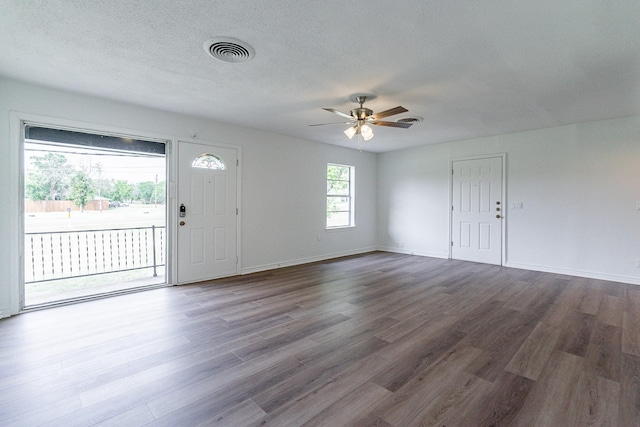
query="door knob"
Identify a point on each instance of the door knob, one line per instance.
(182, 222)
(498, 216)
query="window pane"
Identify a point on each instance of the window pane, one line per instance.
(339, 196)
(208, 161)
(338, 204)
(338, 219)
(343, 173)
(338, 188)
(338, 172)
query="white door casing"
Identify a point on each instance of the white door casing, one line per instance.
(477, 210)
(207, 233)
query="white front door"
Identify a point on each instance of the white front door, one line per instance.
(476, 218)
(207, 215)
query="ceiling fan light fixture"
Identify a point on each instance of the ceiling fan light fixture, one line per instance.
(362, 117)
(351, 131)
(366, 132)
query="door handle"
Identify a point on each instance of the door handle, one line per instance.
(498, 216)
(182, 223)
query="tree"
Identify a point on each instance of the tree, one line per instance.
(82, 189)
(145, 191)
(106, 187)
(161, 191)
(50, 179)
(122, 191)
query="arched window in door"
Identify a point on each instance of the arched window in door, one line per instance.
(209, 161)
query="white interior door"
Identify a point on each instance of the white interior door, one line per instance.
(207, 216)
(476, 218)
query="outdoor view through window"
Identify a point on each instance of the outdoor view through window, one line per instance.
(94, 214)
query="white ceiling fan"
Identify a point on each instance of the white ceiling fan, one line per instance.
(360, 118)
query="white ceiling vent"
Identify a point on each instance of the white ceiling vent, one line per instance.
(228, 49)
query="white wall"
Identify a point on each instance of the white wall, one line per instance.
(283, 181)
(579, 186)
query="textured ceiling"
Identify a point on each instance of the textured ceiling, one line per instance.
(469, 68)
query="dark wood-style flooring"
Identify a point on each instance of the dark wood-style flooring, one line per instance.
(379, 339)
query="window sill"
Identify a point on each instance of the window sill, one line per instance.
(343, 228)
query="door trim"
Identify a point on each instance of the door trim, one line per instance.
(503, 243)
(174, 206)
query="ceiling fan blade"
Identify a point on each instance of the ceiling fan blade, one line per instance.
(340, 113)
(389, 112)
(391, 124)
(334, 123)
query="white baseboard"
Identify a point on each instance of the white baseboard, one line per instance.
(412, 252)
(307, 260)
(580, 273)
(557, 270)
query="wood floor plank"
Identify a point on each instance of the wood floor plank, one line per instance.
(576, 333)
(347, 411)
(208, 399)
(603, 356)
(500, 405)
(268, 345)
(408, 363)
(243, 414)
(137, 416)
(305, 407)
(296, 385)
(550, 396)
(39, 413)
(407, 404)
(629, 404)
(445, 407)
(611, 310)
(374, 339)
(491, 363)
(190, 368)
(631, 332)
(531, 358)
(595, 401)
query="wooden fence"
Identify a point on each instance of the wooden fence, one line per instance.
(62, 205)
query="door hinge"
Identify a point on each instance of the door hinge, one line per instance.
(237, 162)
(236, 211)
(451, 244)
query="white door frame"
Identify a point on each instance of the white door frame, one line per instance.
(173, 215)
(503, 156)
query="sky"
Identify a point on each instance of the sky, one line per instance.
(133, 167)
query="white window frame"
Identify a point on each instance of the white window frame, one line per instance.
(351, 196)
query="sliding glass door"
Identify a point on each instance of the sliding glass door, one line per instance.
(94, 215)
